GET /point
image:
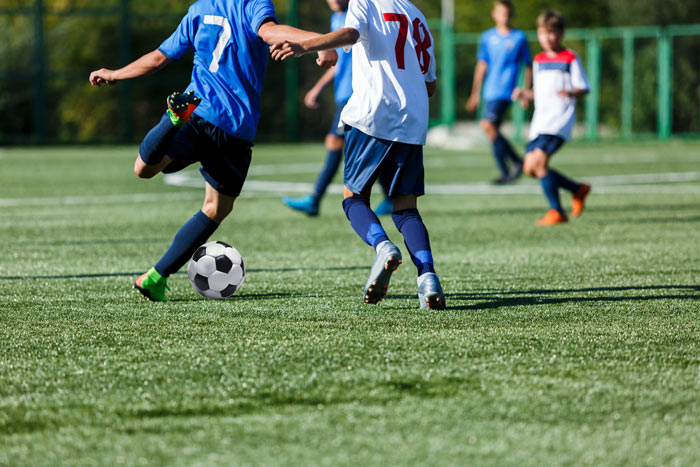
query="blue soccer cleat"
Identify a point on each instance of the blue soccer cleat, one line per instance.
(430, 292)
(306, 204)
(385, 208)
(387, 261)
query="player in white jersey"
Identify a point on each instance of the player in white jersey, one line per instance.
(386, 121)
(559, 79)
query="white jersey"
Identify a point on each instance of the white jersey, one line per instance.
(555, 114)
(391, 62)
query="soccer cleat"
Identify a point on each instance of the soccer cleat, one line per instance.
(152, 286)
(430, 292)
(384, 208)
(306, 204)
(553, 217)
(181, 106)
(504, 180)
(515, 172)
(578, 201)
(387, 261)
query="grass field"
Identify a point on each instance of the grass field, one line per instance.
(569, 345)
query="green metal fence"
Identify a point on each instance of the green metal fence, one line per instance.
(592, 42)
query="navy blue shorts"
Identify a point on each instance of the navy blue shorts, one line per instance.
(547, 143)
(225, 159)
(334, 130)
(367, 158)
(495, 110)
(157, 141)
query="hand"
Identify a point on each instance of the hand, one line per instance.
(524, 103)
(473, 102)
(102, 76)
(285, 50)
(565, 93)
(327, 58)
(311, 99)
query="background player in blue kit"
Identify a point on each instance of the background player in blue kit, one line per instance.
(341, 77)
(502, 51)
(230, 60)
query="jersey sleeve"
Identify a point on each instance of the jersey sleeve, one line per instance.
(181, 40)
(579, 80)
(357, 17)
(258, 11)
(524, 52)
(482, 54)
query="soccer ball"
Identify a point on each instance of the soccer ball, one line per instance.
(216, 270)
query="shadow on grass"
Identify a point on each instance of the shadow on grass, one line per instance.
(138, 273)
(512, 298)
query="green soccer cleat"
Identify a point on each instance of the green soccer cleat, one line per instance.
(430, 292)
(387, 261)
(152, 285)
(181, 106)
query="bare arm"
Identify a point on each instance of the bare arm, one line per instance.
(275, 34)
(149, 63)
(311, 98)
(333, 40)
(575, 93)
(527, 87)
(431, 86)
(479, 75)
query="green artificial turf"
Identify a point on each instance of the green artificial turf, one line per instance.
(577, 344)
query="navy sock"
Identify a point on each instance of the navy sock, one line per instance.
(326, 176)
(194, 233)
(415, 235)
(500, 152)
(551, 190)
(565, 183)
(364, 221)
(510, 152)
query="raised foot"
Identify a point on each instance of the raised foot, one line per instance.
(579, 200)
(387, 261)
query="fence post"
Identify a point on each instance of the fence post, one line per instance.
(125, 58)
(291, 72)
(592, 101)
(447, 66)
(627, 83)
(665, 64)
(39, 73)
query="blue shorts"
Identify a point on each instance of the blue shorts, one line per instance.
(547, 143)
(334, 130)
(495, 110)
(157, 141)
(399, 165)
(225, 159)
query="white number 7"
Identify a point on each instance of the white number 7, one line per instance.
(223, 39)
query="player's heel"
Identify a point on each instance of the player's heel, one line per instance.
(430, 294)
(387, 261)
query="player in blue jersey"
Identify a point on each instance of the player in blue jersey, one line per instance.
(341, 77)
(230, 60)
(502, 51)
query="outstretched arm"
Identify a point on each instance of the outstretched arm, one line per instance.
(333, 40)
(479, 75)
(311, 98)
(275, 34)
(149, 63)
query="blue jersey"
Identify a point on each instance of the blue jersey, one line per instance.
(230, 60)
(503, 55)
(343, 75)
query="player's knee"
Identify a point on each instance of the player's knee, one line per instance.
(334, 143)
(142, 170)
(530, 165)
(489, 128)
(217, 211)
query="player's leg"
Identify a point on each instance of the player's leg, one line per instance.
(502, 149)
(364, 156)
(536, 165)
(386, 207)
(408, 176)
(334, 141)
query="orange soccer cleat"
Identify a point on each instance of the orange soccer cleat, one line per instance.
(553, 217)
(578, 200)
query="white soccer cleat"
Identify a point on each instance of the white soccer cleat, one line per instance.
(430, 292)
(387, 261)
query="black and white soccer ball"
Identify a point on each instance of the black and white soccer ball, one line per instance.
(216, 270)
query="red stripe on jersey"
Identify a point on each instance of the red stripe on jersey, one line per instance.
(565, 56)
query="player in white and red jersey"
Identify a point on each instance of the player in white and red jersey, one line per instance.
(386, 121)
(559, 79)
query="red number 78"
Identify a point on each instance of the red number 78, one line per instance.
(422, 43)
